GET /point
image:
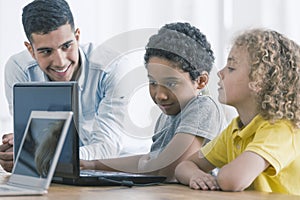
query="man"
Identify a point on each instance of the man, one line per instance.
(55, 55)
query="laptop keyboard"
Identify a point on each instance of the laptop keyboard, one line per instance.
(102, 173)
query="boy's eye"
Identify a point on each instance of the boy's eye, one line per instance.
(230, 68)
(152, 82)
(171, 84)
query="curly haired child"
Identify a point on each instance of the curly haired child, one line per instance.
(259, 150)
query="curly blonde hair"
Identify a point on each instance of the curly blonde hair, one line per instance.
(275, 67)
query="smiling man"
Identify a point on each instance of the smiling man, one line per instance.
(54, 54)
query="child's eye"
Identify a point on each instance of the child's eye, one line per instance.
(171, 84)
(152, 82)
(230, 69)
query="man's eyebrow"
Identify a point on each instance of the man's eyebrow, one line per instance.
(48, 48)
(43, 49)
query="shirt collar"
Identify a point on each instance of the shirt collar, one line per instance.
(248, 130)
(83, 69)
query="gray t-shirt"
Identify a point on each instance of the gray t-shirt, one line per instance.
(202, 116)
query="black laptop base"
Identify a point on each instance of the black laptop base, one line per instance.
(101, 178)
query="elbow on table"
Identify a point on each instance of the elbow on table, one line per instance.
(230, 184)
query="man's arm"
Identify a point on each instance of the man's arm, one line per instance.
(14, 73)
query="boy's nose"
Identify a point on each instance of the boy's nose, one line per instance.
(220, 74)
(161, 93)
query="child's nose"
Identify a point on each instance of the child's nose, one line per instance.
(220, 74)
(161, 93)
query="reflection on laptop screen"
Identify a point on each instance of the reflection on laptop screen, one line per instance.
(39, 147)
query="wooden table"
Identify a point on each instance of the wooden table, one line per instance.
(164, 191)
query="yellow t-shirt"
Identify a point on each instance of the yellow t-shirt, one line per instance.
(278, 143)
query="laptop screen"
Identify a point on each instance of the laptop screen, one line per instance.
(48, 96)
(39, 146)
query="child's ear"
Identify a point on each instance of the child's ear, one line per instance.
(253, 86)
(202, 80)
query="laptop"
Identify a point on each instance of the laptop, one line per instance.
(63, 96)
(38, 154)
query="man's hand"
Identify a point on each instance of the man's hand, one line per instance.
(6, 152)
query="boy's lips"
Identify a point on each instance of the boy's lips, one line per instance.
(220, 86)
(165, 106)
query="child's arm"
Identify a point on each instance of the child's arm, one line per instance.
(179, 149)
(123, 164)
(193, 172)
(235, 176)
(241, 172)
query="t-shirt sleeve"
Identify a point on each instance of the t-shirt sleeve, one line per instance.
(201, 117)
(216, 150)
(276, 143)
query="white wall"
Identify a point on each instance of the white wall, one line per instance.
(100, 20)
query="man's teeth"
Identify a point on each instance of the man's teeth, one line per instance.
(61, 71)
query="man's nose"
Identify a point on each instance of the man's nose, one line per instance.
(59, 58)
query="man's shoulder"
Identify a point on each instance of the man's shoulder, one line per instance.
(23, 59)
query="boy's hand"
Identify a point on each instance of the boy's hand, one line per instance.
(203, 181)
(87, 164)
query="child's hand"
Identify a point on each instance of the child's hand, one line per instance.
(203, 181)
(87, 164)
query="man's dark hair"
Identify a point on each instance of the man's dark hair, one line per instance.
(44, 16)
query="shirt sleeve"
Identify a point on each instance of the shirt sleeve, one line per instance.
(202, 117)
(276, 143)
(13, 74)
(216, 150)
(107, 132)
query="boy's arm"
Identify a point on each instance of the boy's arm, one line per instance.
(179, 149)
(241, 172)
(235, 176)
(121, 164)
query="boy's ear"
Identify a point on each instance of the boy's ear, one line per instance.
(202, 80)
(30, 49)
(253, 86)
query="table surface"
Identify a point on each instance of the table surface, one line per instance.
(163, 191)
